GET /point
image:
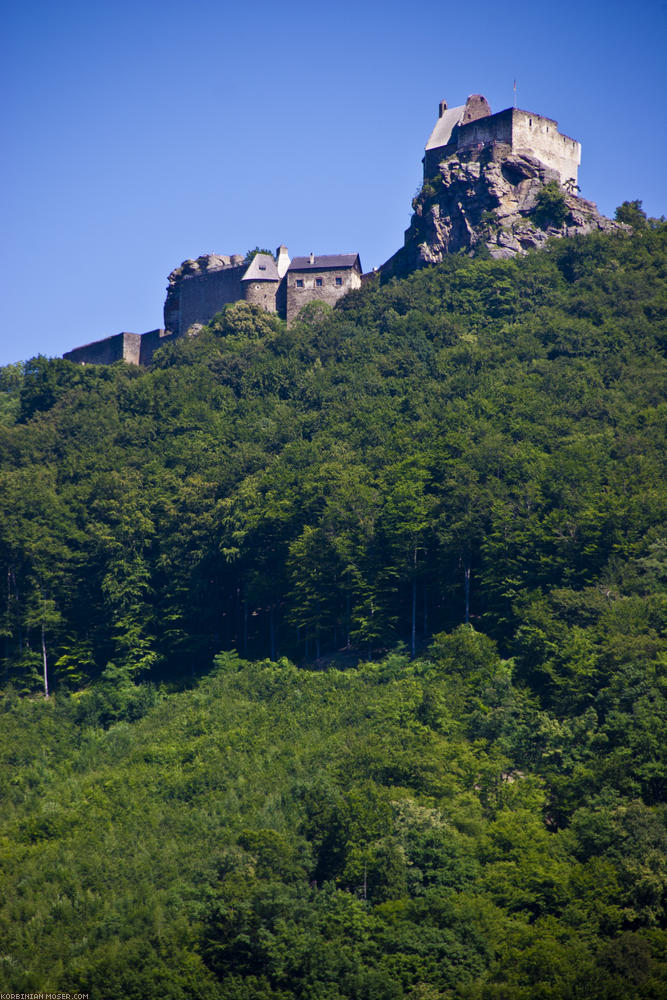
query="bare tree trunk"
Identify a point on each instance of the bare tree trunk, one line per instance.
(467, 583)
(413, 634)
(46, 671)
(272, 631)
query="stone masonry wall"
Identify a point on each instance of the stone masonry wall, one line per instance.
(151, 341)
(520, 130)
(328, 291)
(482, 131)
(198, 298)
(541, 137)
(121, 347)
(261, 293)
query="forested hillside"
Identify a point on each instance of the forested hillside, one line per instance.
(434, 517)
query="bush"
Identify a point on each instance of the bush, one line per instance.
(551, 207)
(632, 214)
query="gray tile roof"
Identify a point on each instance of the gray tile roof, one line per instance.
(261, 268)
(325, 262)
(444, 127)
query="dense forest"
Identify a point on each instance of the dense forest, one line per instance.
(333, 656)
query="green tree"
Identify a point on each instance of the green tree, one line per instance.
(550, 206)
(632, 214)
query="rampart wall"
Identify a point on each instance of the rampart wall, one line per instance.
(121, 347)
(151, 341)
(133, 348)
(197, 298)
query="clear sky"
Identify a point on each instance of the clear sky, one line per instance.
(141, 132)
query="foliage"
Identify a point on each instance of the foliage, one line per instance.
(463, 442)
(253, 253)
(426, 808)
(273, 832)
(11, 379)
(550, 206)
(632, 214)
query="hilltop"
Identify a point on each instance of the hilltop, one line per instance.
(495, 185)
(464, 438)
(353, 632)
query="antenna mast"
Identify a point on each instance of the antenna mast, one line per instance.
(515, 93)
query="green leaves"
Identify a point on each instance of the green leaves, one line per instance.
(457, 446)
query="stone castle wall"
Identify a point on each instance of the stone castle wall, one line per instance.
(133, 348)
(522, 131)
(150, 342)
(195, 299)
(539, 135)
(261, 293)
(121, 347)
(322, 286)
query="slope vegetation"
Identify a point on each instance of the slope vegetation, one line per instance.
(444, 502)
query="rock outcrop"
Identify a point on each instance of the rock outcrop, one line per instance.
(492, 201)
(207, 262)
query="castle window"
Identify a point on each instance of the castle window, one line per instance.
(318, 282)
(339, 281)
(299, 282)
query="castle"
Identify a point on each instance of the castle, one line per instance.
(473, 125)
(198, 289)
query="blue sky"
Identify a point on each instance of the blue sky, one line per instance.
(137, 134)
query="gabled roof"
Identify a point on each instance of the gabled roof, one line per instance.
(445, 125)
(325, 262)
(261, 268)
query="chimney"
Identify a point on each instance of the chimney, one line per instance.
(282, 260)
(442, 108)
(311, 259)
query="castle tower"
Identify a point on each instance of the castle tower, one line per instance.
(259, 284)
(472, 125)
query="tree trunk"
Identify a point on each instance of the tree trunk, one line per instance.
(237, 612)
(413, 634)
(272, 631)
(467, 586)
(46, 671)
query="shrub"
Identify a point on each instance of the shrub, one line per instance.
(551, 207)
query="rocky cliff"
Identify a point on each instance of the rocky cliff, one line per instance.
(491, 201)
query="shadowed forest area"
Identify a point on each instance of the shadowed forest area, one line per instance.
(353, 640)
